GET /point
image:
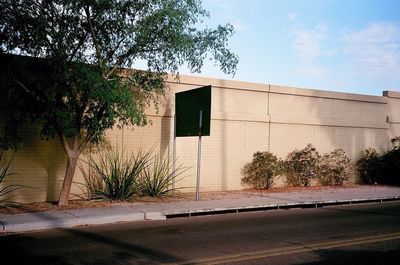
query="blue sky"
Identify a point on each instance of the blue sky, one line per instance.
(338, 45)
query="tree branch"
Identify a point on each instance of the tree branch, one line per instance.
(80, 43)
(65, 143)
(95, 41)
(112, 52)
(124, 56)
(83, 143)
(23, 86)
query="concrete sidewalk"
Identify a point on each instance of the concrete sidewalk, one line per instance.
(246, 201)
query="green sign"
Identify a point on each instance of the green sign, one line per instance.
(188, 106)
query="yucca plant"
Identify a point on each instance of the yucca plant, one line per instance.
(5, 191)
(115, 174)
(157, 178)
(92, 185)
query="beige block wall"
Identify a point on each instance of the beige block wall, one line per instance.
(246, 117)
(393, 117)
(39, 165)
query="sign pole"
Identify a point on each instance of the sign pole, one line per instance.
(193, 118)
(199, 158)
(174, 157)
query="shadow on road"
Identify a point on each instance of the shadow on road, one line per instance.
(93, 248)
(352, 257)
(393, 211)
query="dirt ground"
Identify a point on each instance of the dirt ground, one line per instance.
(79, 204)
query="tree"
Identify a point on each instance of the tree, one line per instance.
(85, 45)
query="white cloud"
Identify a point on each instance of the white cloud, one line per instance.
(373, 51)
(307, 43)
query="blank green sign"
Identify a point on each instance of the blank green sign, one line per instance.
(188, 105)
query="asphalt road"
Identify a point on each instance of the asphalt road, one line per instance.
(361, 234)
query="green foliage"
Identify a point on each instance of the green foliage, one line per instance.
(82, 103)
(391, 167)
(157, 177)
(369, 166)
(6, 190)
(381, 168)
(335, 168)
(391, 162)
(114, 175)
(302, 165)
(260, 173)
(85, 45)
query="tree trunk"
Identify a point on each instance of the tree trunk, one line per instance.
(73, 157)
(73, 151)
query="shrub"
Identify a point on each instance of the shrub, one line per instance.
(335, 168)
(302, 165)
(6, 190)
(369, 166)
(390, 167)
(391, 164)
(260, 173)
(157, 177)
(396, 142)
(381, 169)
(115, 175)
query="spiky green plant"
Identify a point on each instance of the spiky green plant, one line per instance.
(115, 174)
(157, 178)
(93, 183)
(6, 190)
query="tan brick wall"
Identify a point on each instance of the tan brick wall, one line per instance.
(246, 117)
(393, 112)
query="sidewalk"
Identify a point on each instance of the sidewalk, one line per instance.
(246, 201)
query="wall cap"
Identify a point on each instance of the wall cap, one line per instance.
(326, 94)
(276, 89)
(391, 94)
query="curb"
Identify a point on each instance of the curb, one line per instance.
(44, 221)
(266, 207)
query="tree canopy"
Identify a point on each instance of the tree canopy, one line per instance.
(81, 47)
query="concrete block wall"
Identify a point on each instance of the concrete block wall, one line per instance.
(393, 118)
(246, 117)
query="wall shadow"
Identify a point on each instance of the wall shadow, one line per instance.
(37, 165)
(75, 246)
(352, 257)
(167, 127)
(223, 144)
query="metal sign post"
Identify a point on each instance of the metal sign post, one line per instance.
(174, 157)
(199, 157)
(191, 105)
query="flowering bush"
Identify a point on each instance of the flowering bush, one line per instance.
(261, 172)
(335, 168)
(302, 165)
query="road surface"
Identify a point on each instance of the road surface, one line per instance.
(358, 234)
